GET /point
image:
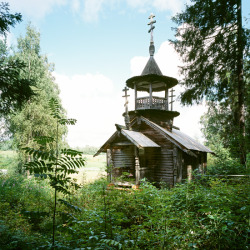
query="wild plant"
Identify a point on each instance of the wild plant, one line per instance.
(50, 161)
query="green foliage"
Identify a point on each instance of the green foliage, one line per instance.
(6, 145)
(88, 150)
(223, 139)
(208, 41)
(205, 214)
(219, 125)
(222, 163)
(8, 161)
(34, 120)
(49, 161)
(7, 19)
(214, 47)
(15, 89)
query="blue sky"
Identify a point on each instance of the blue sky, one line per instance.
(96, 46)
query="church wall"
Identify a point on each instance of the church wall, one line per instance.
(149, 161)
(123, 160)
(178, 165)
(162, 169)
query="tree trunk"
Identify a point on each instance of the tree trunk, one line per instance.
(241, 85)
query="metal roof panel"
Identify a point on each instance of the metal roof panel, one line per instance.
(181, 138)
(139, 139)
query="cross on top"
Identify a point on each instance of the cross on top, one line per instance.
(126, 97)
(151, 26)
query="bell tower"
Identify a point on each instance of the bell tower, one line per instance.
(155, 102)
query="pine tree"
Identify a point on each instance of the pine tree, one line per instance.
(213, 45)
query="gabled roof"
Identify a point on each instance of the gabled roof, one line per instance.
(180, 139)
(136, 138)
(106, 145)
(187, 141)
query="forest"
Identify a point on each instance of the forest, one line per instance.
(46, 201)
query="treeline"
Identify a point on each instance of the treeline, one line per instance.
(88, 150)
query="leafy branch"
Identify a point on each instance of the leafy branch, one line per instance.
(54, 163)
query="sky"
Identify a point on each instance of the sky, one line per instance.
(96, 45)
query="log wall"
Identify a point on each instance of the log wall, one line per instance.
(123, 160)
(161, 162)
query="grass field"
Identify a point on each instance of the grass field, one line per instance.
(7, 159)
(94, 168)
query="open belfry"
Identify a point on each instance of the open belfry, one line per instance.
(149, 145)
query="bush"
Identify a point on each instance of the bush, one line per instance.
(206, 214)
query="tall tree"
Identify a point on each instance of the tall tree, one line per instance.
(14, 89)
(213, 45)
(34, 119)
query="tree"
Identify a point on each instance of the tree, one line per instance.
(217, 126)
(213, 45)
(55, 163)
(34, 119)
(7, 19)
(14, 89)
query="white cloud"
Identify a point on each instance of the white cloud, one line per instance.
(8, 38)
(92, 100)
(91, 9)
(137, 64)
(37, 8)
(75, 5)
(163, 5)
(159, 5)
(166, 58)
(97, 106)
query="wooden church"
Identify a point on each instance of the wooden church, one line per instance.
(149, 145)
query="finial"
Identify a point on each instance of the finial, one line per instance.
(127, 120)
(151, 47)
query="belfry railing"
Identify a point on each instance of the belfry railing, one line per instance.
(159, 103)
